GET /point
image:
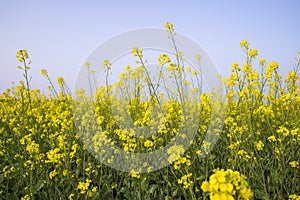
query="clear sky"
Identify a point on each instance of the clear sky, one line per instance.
(59, 35)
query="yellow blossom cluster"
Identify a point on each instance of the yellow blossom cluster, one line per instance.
(185, 181)
(227, 185)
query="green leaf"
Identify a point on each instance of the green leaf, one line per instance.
(152, 188)
(40, 184)
(12, 196)
(259, 194)
(175, 192)
(1, 178)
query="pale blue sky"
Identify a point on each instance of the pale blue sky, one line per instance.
(59, 35)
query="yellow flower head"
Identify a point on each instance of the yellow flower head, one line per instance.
(235, 67)
(262, 62)
(87, 65)
(259, 145)
(253, 53)
(135, 174)
(273, 65)
(163, 59)
(44, 73)
(294, 164)
(294, 197)
(106, 63)
(60, 80)
(227, 185)
(136, 51)
(272, 138)
(244, 43)
(52, 174)
(198, 57)
(169, 26)
(205, 186)
(175, 152)
(22, 55)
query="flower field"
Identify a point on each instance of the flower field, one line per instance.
(46, 151)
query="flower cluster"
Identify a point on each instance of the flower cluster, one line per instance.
(185, 181)
(227, 185)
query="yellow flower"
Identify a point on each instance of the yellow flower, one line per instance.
(235, 67)
(293, 164)
(128, 68)
(215, 196)
(175, 152)
(247, 68)
(246, 193)
(182, 160)
(106, 64)
(229, 197)
(230, 188)
(185, 181)
(294, 197)
(205, 186)
(21, 55)
(259, 145)
(169, 26)
(94, 189)
(136, 51)
(163, 59)
(87, 65)
(44, 73)
(26, 197)
(221, 176)
(65, 172)
(253, 53)
(53, 156)
(60, 80)
(135, 174)
(70, 197)
(273, 65)
(32, 148)
(53, 173)
(195, 72)
(244, 43)
(221, 188)
(83, 186)
(148, 143)
(262, 62)
(179, 54)
(272, 138)
(284, 131)
(115, 185)
(295, 131)
(277, 150)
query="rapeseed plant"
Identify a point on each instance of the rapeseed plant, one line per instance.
(46, 151)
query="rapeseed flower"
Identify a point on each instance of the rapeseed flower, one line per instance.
(227, 185)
